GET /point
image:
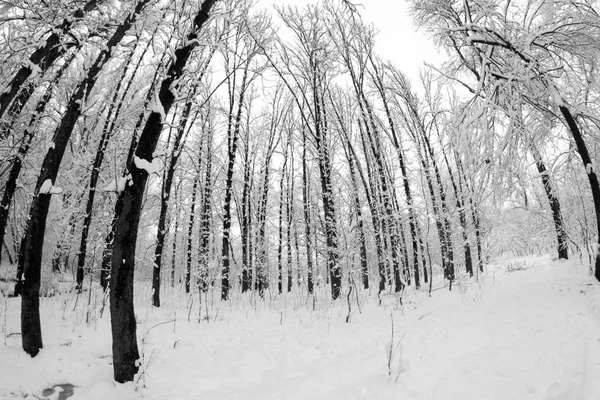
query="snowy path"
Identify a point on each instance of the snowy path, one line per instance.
(531, 334)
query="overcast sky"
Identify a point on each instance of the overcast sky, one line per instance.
(398, 40)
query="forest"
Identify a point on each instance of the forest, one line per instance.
(221, 153)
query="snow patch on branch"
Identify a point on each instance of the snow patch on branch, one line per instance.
(48, 188)
(558, 101)
(157, 107)
(118, 185)
(151, 167)
(589, 168)
(35, 69)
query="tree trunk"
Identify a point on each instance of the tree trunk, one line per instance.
(561, 235)
(246, 220)
(174, 238)
(280, 242)
(205, 216)
(188, 270)
(307, 212)
(290, 216)
(592, 177)
(233, 130)
(321, 141)
(125, 351)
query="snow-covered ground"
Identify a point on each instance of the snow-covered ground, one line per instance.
(529, 330)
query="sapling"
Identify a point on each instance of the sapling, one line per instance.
(349, 304)
(394, 354)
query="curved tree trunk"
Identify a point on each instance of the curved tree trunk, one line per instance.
(128, 210)
(561, 234)
(592, 177)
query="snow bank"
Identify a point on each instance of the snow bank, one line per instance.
(152, 167)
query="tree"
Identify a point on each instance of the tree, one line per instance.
(128, 208)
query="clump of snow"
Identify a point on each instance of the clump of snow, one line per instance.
(556, 98)
(157, 107)
(117, 185)
(48, 188)
(589, 168)
(152, 167)
(35, 69)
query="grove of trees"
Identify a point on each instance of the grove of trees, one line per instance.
(221, 146)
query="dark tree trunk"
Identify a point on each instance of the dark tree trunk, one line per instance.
(290, 201)
(472, 208)
(233, 130)
(205, 216)
(174, 240)
(280, 242)
(261, 240)
(128, 210)
(246, 220)
(307, 219)
(561, 235)
(188, 269)
(592, 177)
(322, 145)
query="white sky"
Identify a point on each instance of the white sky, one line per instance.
(398, 40)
